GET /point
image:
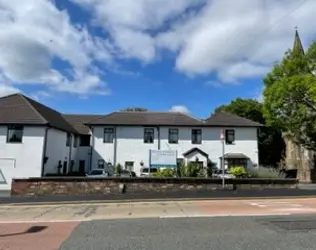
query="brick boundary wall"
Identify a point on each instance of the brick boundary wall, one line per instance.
(57, 186)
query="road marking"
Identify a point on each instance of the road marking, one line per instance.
(222, 215)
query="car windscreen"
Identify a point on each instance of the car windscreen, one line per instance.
(146, 170)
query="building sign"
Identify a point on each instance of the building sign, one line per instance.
(162, 158)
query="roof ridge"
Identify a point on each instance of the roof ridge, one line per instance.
(244, 118)
(146, 112)
(190, 116)
(102, 116)
(25, 98)
(82, 114)
(6, 96)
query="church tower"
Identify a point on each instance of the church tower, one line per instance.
(296, 156)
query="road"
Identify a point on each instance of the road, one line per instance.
(228, 233)
(223, 224)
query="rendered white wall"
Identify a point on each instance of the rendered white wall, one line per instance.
(130, 145)
(21, 160)
(56, 149)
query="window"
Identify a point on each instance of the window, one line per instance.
(75, 141)
(149, 135)
(101, 163)
(129, 165)
(68, 140)
(230, 136)
(84, 140)
(196, 136)
(236, 163)
(15, 134)
(180, 162)
(173, 135)
(152, 170)
(108, 135)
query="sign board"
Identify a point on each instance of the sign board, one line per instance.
(163, 158)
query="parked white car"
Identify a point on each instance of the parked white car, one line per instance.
(97, 173)
(144, 172)
(219, 174)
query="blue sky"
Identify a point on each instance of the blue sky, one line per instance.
(97, 56)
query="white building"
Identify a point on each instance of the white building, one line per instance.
(127, 138)
(36, 140)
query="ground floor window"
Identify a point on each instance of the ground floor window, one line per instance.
(180, 162)
(129, 165)
(236, 163)
(198, 163)
(101, 164)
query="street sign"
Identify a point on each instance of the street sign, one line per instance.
(163, 158)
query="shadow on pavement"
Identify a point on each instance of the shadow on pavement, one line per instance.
(31, 230)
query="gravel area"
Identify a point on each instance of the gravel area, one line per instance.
(231, 233)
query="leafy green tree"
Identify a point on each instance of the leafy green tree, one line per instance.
(290, 96)
(271, 144)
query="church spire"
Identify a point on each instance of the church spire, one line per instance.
(297, 46)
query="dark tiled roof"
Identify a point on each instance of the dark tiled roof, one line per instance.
(78, 121)
(227, 119)
(147, 118)
(19, 109)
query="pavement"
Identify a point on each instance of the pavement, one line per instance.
(162, 196)
(203, 224)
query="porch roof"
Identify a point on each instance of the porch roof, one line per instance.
(235, 156)
(192, 150)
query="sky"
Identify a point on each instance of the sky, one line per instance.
(99, 56)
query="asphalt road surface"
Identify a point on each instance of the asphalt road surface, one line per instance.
(224, 233)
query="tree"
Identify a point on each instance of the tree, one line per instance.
(290, 96)
(135, 109)
(271, 145)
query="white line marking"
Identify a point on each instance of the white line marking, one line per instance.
(221, 215)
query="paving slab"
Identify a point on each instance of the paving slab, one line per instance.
(34, 236)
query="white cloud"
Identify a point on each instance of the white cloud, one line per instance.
(206, 37)
(130, 23)
(180, 108)
(6, 89)
(233, 43)
(33, 33)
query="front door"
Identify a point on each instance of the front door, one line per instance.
(65, 168)
(81, 166)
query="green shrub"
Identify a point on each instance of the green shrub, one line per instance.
(238, 171)
(164, 173)
(118, 169)
(263, 172)
(190, 170)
